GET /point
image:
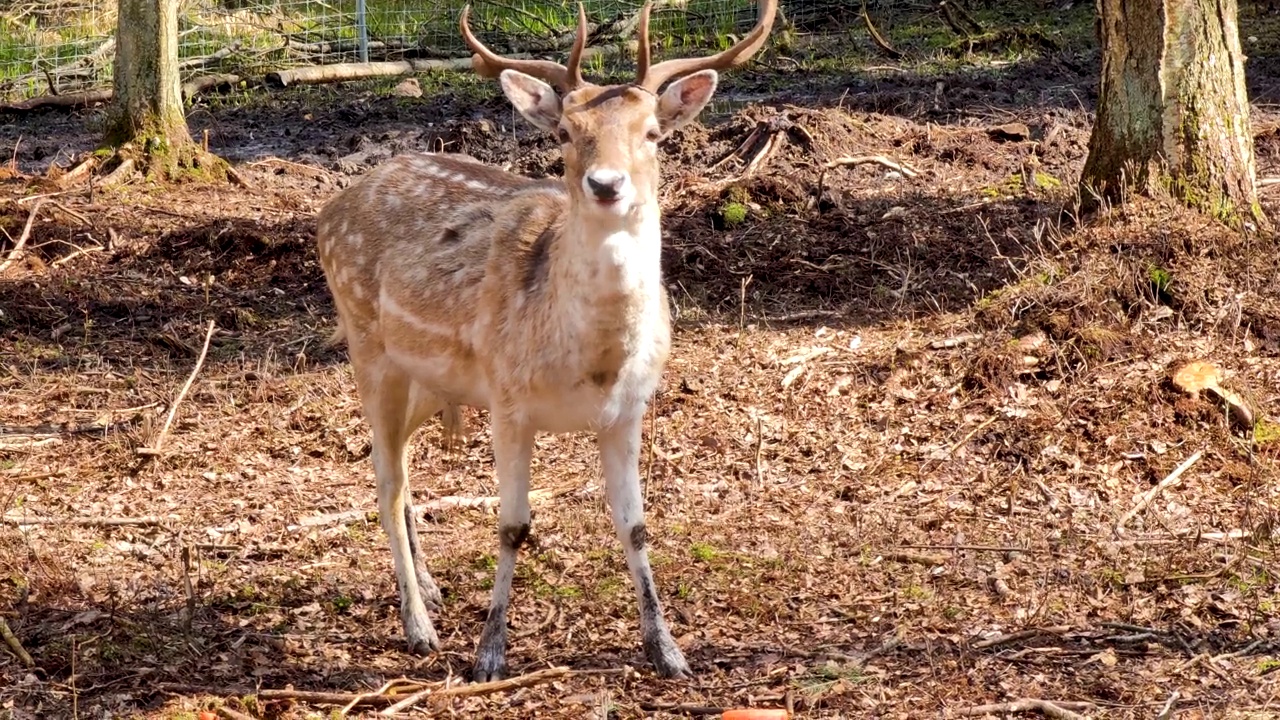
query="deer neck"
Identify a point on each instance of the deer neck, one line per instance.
(607, 258)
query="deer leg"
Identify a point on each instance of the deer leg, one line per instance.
(512, 453)
(422, 405)
(385, 391)
(620, 457)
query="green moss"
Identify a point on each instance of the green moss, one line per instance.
(1265, 431)
(703, 552)
(733, 213)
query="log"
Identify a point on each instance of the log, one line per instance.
(345, 72)
(204, 83)
(70, 100)
(190, 88)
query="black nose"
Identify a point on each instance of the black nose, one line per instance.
(607, 190)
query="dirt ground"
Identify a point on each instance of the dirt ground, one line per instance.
(905, 412)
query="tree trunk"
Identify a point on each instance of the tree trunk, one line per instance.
(1173, 113)
(147, 113)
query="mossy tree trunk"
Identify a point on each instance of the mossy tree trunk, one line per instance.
(147, 123)
(1173, 112)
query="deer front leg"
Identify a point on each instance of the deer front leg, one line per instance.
(512, 453)
(620, 457)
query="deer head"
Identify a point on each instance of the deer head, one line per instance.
(609, 134)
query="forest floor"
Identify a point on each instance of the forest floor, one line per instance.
(891, 470)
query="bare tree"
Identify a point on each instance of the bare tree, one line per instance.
(1173, 113)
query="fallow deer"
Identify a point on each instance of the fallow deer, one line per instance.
(459, 284)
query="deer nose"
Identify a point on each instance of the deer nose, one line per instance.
(606, 184)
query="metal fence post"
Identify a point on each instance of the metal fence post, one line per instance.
(362, 30)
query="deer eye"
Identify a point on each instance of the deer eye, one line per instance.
(564, 136)
(653, 135)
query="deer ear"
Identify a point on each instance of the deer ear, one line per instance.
(536, 100)
(685, 98)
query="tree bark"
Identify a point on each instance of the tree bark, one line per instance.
(147, 112)
(1173, 113)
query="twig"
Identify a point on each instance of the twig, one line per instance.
(1060, 710)
(230, 714)
(916, 558)
(12, 641)
(871, 159)
(955, 341)
(974, 548)
(79, 171)
(1166, 712)
(382, 691)
(447, 502)
(78, 216)
(159, 442)
(681, 708)
(82, 521)
(73, 255)
(22, 239)
(1020, 635)
(969, 436)
(876, 37)
(1148, 496)
(486, 688)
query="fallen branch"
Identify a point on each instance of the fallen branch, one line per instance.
(876, 37)
(69, 100)
(486, 688)
(343, 72)
(16, 252)
(869, 159)
(148, 520)
(681, 708)
(12, 641)
(229, 714)
(209, 60)
(204, 83)
(447, 502)
(159, 441)
(1018, 636)
(1060, 710)
(1169, 481)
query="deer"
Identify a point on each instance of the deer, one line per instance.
(459, 284)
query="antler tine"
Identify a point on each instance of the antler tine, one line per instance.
(489, 64)
(575, 53)
(734, 56)
(642, 44)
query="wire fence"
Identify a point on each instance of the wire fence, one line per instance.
(61, 46)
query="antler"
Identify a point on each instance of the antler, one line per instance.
(489, 64)
(652, 78)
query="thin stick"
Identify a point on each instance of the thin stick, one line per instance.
(474, 689)
(1166, 712)
(229, 714)
(974, 548)
(1057, 709)
(384, 690)
(155, 448)
(12, 641)
(16, 252)
(681, 708)
(81, 521)
(871, 159)
(1020, 635)
(1148, 496)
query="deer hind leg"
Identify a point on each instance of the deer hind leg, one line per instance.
(512, 453)
(620, 456)
(422, 405)
(385, 395)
